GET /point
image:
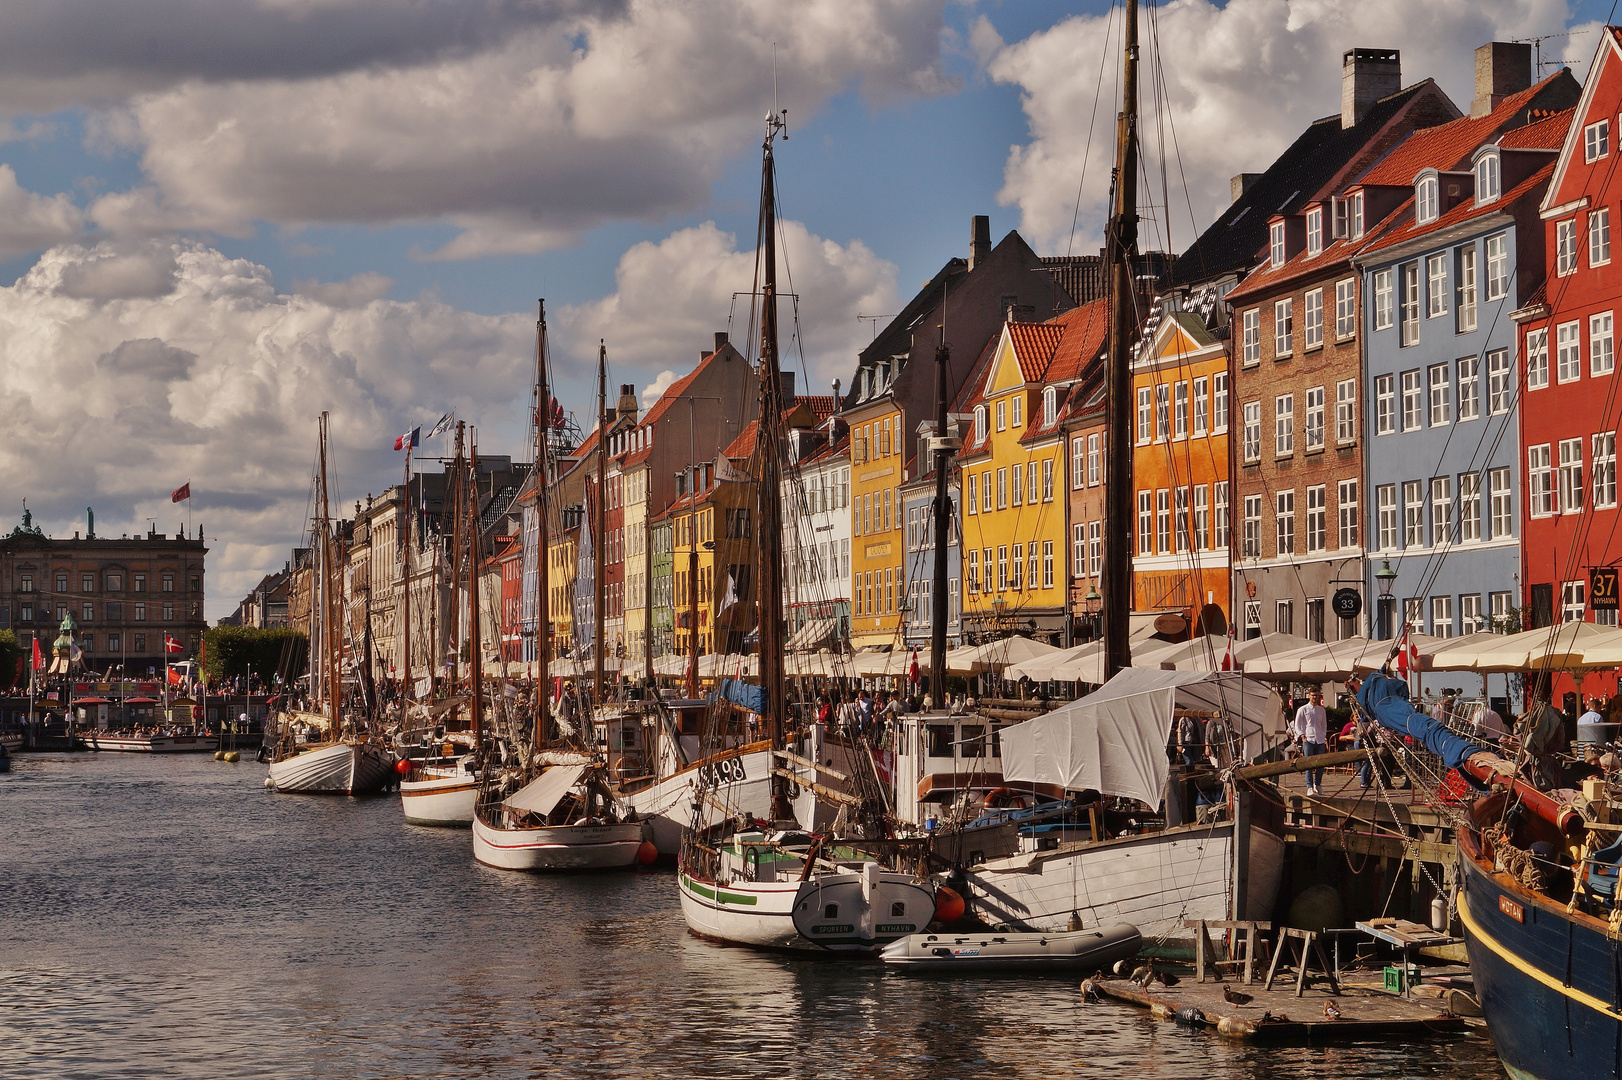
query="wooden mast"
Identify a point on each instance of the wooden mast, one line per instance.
(405, 595)
(597, 541)
(1121, 242)
(768, 444)
(943, 519)
(329, 659)
(457, 501)
(543, 554)
(474, 652)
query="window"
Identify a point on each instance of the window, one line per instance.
(1284, 522)
(1145, 413)
(1283, 328)
(1092, 461)
(1467, 289)
(1002, 488)
(87, 611)
(113, 643)
(1346, 511)
(1047, 564)
(1500, 504)
(1565, 246)
(1047, 479)
(25, 583)
(1571, 475)
(139, 581)
(1251, 529)
(87, 583)
(1540, 480)
(1284, 424)
(1031, 573)
(973, 499)
(1601, 346)
(1253, 431)
(1219, 402)
(1050, 406)
(1442, 616)
(1441, 399)
(1385, 404)
(1497, 266)
(1181, 501)
(1346, 307)
(1469, 388)
(1202, 519)
(1442, 510)
(1382, 300)
(1315, 418)
(1604, 469)
(979, 423)
(1385, 497)
(1078, 548)
(1470, 620)
(1202, 406)
(1499, 385)
(1435, 286)
(1002, 416)
(1276, 243)
(1030, 483)
(1413, 514)
(1019, 402)
(1078, 462)
(1253, 336)
(1313, 318)
(1498, 606)
(1219, 501)
(1355, 216)
(1095, 547)
(61, 583)
(1425, 201)
(1315, 230)
(1180, 410)
(1146, 522)
(1002, 567)
(1284, 616)
(1487, 178)
(1568, 352)
(1016, 567)
(138, 614)
(1573, 600)
(1469, 507)
(1315, 517)
(974, 570)
(140, 643)
(1537, 359)
(1018, 478)
(1596, 140)
(1410, 304)
(1412, 397)
(1162, 412)
(1163, 520)
(1599, 237)
(985, 491)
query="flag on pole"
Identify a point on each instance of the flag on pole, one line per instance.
(443, 426)
(172, 644)
(409, 440)
(174, 676)
(39, 660)
(181, 493)
(1407, 656)
(1227, 655)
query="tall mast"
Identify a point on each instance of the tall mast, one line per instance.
(329, 659)
(597, 695)
(457, 500)
(474, 653)
(1122, 242)
(405, 596)
(769, 586)
(943, 518)
(543, 584)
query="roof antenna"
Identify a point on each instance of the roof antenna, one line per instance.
(782, 114)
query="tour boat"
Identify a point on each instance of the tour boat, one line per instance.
(561, 820)
(148, 744)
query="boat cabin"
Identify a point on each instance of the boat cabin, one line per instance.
(944, 760)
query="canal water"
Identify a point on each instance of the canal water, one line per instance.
(169, 917)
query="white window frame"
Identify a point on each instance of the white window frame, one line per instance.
(1355, 216)
(1596, 140)
(1601, 344)
(1469, 507)
(1487, 178)
(1146, 415)
(1276, 246)
(1387, 518)
(1497, 266)
(1469, 388)
(1441, 510)
(1315, 231)
(1179, 409)
(1284, 425)
(1408, 301)
(1219, 403)
(1385, 404)
(1284, 523)
(1219, 513)
(1312, 319)
(1573, 601)
(1599, 236)
(1094, 464)
(1413, 400)
(1500, 503)
(1346, 513)
(1465, 317)
(1252, 339)
(1384, 307)
(1050, 406)
(1253, 431)
(1413, 514)
(1568, 351)
(1250, 535)
(1537, 358)
(1162, 412)
(1571, 476)
(1436, 285)
(1346, 412)
(1345, 309)
(1078, 459)
(1439, 408)
(1602, 470)
(1427, 205)
(1315, 431)
(1565, 247)
(1540, 501)
(1317, 517)
(1500, 382)
(1202, 405)
(1283, 328)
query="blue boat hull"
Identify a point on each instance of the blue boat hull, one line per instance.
(1550, 983)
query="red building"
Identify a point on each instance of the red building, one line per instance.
(508, 559)
(1570, 408)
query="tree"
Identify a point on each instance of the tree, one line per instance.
(231, 650)
(11, 653)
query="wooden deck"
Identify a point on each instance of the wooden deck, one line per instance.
(1280, 1017)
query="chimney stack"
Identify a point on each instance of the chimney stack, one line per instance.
(786, 383)
(720, 340)
(1366, 76)
(979, 239)
(1241, 184)
(627, 402)
(1503, 68)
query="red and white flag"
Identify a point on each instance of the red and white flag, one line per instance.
(1227, 655)
(174, 677)
(181, 493)
(172, 644)
(1407, 656)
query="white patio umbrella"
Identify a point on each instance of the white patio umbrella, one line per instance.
(876, 665)
(1565, 646)
(1041, 668)
(996, 655)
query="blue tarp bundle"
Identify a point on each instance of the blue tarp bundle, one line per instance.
(1386, 699)
(748, 695)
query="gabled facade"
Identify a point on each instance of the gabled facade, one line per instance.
(818, 539)
(918, 495)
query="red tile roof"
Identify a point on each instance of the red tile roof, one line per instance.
(1266, 276)
(1403, 228)
(744, 445)
(1086, 329)
(1547, 134)
(1034, 344)
(1447, 146)
(822, 405)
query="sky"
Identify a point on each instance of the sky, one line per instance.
(219, 220)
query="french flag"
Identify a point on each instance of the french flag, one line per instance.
(409, 440)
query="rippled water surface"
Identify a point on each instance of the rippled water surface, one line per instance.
(169, 917)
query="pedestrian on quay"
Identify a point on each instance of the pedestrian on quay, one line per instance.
(1310, 729)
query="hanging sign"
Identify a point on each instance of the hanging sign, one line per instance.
(1602, 588)
(1347, 603)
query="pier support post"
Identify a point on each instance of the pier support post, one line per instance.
(1241, 852)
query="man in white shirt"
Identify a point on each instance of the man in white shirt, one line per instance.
(1311, 729)
(1488, 724)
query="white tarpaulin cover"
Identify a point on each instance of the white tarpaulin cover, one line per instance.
(542, 794)
(1114, 740)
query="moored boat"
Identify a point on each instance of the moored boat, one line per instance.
(441, 791)
(348, 767)
(563, 819)
(1071, 950)
(135, 743)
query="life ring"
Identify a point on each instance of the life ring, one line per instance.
(990, 802)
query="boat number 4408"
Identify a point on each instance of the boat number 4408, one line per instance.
(725, 771)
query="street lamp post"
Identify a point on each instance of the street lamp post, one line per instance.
(1386, 579)
(1093, 604)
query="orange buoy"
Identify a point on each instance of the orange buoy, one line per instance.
(403, 766)
(647, 854)
(949, 906)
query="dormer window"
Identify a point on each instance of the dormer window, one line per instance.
(1050, 406)
(979, 423)
(1277, 240)
(1354, 216)
(1426, 203)
(1597, 140)
(1487, 177)
(1315, 231)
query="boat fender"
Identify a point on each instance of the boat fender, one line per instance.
(646, 853)
(269, 782)
(1234, 1025)
(219, 755)
(403, 766)
(1160, 1011)
(233, 757)
(949, 905)
(1189, 1016)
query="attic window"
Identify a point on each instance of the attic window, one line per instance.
(1050, 406)
(1597, 140)
(1426, 204)
(1487, 188)
(1340, 218)
(1277, 243)
(1315, 231)
(1354, 216)
(979, 423)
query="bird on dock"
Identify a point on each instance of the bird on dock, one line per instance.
(1234, 997)
(1089, 993)
(1122, 967)
(1167, 978)
(1331, 1011)
(1141, 974)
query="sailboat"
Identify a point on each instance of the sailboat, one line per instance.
(564, 816)
(342, 760)
(769, 883)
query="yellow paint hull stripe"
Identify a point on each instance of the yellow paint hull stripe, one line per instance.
(1525, 968)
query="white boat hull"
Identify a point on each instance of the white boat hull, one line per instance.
(759, 914)
(739, 779)
(1154, 882)
(557, 847)
(337, 769)
(830, 911)
(150, 744)
(444, 801)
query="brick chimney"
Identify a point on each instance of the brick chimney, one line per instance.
(1503, 68)
(979, 239)
(1240, 184)
(627, 402)
(1366, 76)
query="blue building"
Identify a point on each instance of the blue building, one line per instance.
(1442, 279)
(918, 498)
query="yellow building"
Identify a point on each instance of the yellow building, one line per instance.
(562, 555)
(692, 522)
(877, 551)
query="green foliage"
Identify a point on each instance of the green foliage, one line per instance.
(231, 650)
(10, 652)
